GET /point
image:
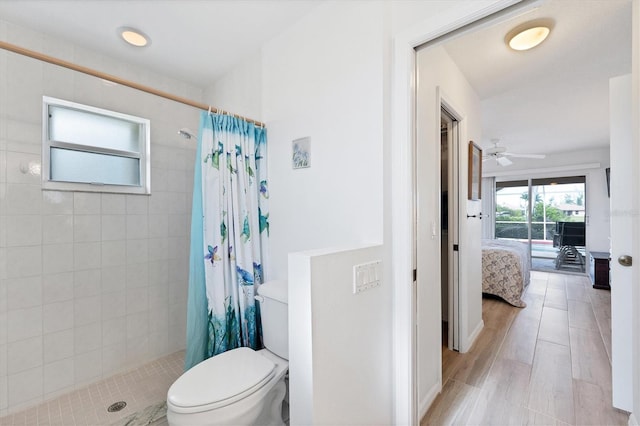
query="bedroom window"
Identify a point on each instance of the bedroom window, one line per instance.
(92, 149)
(549, 214)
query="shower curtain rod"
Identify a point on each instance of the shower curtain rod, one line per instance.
(108, 77)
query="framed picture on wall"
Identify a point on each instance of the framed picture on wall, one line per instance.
(475, 171)
(301, 153)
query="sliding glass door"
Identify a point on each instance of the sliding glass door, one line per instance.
(512, 210)
(549, 215)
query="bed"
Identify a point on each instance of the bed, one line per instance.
(505, 270)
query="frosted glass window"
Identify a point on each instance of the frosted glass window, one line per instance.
(91, 149)
(86, 128)
(75, 166)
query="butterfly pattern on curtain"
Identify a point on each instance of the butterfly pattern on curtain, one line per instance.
(235, 229)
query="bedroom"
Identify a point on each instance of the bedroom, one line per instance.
(567, 129)
(559, 119)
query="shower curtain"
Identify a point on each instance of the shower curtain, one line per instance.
(229, 232)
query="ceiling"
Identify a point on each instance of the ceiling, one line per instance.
(550, 99)
(192, 40)
(553, 98)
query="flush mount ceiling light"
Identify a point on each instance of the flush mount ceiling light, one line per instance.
(528, 35)
(134, 36)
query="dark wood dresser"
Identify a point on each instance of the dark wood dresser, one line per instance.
(600, 270)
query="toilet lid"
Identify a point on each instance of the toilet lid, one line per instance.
(222, 379)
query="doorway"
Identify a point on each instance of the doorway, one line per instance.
(403, 128)
(449, 230)
(443, 126)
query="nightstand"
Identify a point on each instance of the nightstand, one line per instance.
(600, 270)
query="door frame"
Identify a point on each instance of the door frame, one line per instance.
(453, 256)
(403, 127)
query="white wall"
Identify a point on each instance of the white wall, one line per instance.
(568, 164)
(320, 83)
(323, 78)
(90, 283)
(339, 347)
(240, 91)
(327, 85)
(438, 75)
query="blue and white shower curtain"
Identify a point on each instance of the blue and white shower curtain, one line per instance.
(229, 232)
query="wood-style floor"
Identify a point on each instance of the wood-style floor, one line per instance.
(546, 364)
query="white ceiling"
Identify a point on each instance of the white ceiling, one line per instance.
(552, 98)
(193, 40)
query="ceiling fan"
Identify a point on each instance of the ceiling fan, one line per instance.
(500, 154)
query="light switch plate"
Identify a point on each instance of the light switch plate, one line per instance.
(366, 276)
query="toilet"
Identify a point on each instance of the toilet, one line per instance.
(240, 386)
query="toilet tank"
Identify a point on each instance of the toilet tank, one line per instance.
(272, 296)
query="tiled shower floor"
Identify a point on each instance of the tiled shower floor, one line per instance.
(139, 388)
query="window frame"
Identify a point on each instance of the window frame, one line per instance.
(143, 155)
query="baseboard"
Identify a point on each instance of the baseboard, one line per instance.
(633, 421)
(428, 400)
(472, 337)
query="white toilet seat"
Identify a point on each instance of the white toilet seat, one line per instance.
(220, 381)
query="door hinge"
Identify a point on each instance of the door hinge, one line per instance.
(455, 247)
(415, 274)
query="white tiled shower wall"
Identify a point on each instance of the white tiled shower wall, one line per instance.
(90, 283)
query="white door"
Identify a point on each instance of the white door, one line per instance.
(622, 166)
(635, 195)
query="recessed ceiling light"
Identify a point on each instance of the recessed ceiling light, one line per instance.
(528, 35)
(134, 36)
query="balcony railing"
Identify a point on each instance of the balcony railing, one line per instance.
(544, 255)
(519, 230)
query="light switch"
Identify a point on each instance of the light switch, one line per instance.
(366, 276)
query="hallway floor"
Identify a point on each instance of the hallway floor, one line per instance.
(546, 364)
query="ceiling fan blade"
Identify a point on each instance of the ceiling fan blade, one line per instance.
(495, 150)
(538, 156)
(504, 161)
